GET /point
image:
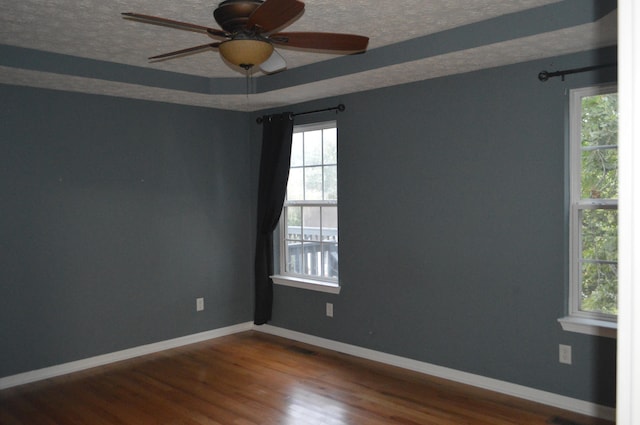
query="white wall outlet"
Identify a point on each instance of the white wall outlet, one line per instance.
(565, 354)
(199, 304)
(329, 310)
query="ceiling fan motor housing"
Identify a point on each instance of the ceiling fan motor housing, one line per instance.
(232, 15)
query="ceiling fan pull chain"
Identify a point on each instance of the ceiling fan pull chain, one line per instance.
(247, 84)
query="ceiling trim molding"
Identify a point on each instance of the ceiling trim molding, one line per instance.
(38, 60)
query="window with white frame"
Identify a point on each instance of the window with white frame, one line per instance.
(309, 221)
(594, 204)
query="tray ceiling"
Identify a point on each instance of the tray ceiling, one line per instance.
(85, 46)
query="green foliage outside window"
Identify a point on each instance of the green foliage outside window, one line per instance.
(599, 182)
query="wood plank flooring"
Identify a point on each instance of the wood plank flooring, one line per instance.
(253, 378)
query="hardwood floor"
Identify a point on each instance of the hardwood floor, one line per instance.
(253, 378)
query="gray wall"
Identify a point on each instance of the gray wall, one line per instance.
(115, 216)
(453, 233)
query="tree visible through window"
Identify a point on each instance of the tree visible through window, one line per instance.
(594, 198)
(309, 227)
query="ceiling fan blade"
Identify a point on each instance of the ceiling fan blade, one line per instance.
(155, 20)
(274, 14)
(322, 41)
(275, 63)
(184, 52)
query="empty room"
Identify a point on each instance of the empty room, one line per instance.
(318, 212)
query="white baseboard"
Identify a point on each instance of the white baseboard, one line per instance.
(526, 393)
(50, 372)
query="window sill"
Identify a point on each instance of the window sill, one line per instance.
(310, 284)
(589, 326)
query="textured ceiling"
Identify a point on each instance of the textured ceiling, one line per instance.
(85, 45)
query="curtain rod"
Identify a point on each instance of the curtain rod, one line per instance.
(339, 108)
(545, 75)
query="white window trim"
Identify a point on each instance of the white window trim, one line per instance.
(310, 284)
(590, 323)
(588, 326)
(295, 280)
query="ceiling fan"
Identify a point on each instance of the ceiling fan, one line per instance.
(250, 30)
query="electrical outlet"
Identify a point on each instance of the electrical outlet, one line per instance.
(199, 304)
(329, 310)
(565, 354)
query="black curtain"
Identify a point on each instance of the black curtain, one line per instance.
(277, 131)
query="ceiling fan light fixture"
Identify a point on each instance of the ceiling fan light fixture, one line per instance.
(245, 53)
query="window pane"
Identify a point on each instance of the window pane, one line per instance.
(312, 259)
(331, 183)
(330, 224)
(296, 150)
(599, 141)
(600, 120)
(313, 183)
(330, 260)
(294, 223)
(313, 147)
(294, 257)
(599, 173)
(599, 288)
(330, 143)
(311, 223)
(599, 235)
(295, 185)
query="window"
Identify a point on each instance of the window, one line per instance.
(309, 221)
(593, 221)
